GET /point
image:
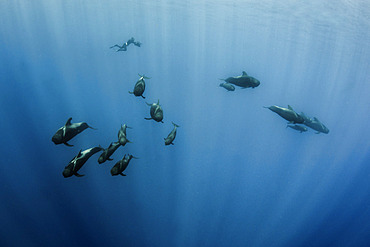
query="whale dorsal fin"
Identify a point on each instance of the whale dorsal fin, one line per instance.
(290, 108)
(244, 73)
(79, 154)
(314, 118)
(69, 121)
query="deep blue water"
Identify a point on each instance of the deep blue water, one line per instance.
(236, 175)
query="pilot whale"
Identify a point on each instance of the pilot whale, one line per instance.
(171, 136)
(79, 160)
(68, 131)
(287, 113)
(156, 112)
(121, 165)
(315, 124)
(139, 86)
(243, 80)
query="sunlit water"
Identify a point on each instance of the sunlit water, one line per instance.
(236, 175)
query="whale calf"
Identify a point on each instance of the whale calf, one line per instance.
(227, 86)
(287, 113)
(79, 160)
(68, 131)
(297, 127)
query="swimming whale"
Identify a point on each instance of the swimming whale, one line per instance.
(227, 86)
(156, 112)
(68, 131)
(171, 136)
(297, 127)
(108, 152)
(315, 124)
(139, 86)
(243, 81)
(122, 138)
(287, 113)
(121, 165)
(79, 160)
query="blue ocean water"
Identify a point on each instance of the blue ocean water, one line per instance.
(236, 175)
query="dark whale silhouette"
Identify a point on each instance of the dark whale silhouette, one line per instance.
(315, 124)
(121, 165)
(139, 86)
(171, 136)
(243, 81)
(287, 113)
(68, 131)
(79, 160)
(156, 112)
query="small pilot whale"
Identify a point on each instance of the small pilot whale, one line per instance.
(171, 136)
(121, 165)
(297, 127)
(287, 113)
(122, 138)
(139, 86)
(315, 124)
(79, 160)
(68, 131)
(243, 81)
(227, 86)
(156, 112)
(108, 152)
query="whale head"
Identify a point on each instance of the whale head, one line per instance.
(58, 137)
(67, 173)
(114, 171)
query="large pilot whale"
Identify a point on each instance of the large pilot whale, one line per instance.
(68, 131)
(156, 112)
(79, 160)
(139, 86)
(287, 113)
(243, 80)
(315, 124)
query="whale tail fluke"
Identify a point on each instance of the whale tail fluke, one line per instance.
(175, 125)
(145, 77)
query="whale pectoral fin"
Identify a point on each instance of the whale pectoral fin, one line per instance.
(130, 92)
(172, 143)
(110, 159)
(162, 121)
(128, 141)
(143, 96)
(67, 144)
(122, 174)
(147, 118)
(79, 175)
(148, 104)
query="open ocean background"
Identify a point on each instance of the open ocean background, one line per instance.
(236, 175)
